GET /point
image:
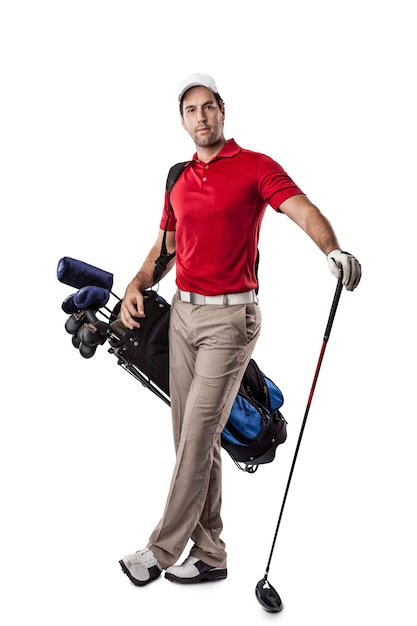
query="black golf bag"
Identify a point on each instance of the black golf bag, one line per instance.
(255, 427)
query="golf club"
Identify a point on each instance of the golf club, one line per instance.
(265, 593)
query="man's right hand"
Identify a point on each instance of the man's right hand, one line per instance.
(132, 306)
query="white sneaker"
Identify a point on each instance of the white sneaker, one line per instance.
(141, 567)
(194, 570)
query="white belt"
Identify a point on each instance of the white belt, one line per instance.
(246, 297)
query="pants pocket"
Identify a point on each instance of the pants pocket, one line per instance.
(253, 321)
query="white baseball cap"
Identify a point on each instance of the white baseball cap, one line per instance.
(197, 80)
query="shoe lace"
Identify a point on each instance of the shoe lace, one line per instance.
(147, 558)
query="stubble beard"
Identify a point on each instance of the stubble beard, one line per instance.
(207, 140)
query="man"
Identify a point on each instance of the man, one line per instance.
(217, 207)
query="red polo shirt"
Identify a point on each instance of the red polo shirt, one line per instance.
(217, 213)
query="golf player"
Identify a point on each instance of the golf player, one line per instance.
(217, 204)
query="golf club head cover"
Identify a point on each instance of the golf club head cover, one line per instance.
(93, 334)
(74, 322)
(91, 297)
(68, 306)
(79, 274)
(86, 298)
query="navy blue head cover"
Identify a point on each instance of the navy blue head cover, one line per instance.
(79, 274)
(86, 298)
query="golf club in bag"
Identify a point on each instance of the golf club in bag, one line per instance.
(265, 593)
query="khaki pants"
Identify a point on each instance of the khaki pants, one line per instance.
(210, 347)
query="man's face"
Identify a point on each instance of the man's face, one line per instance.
(202, 117)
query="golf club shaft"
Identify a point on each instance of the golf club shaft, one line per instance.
(323, 348)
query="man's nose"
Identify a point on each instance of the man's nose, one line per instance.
(201, 114)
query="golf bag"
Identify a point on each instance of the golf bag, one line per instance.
(255, 426)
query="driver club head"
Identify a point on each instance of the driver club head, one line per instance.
(267, 596)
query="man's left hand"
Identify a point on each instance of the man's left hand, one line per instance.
(339, 261)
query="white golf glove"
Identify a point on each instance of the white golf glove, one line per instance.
(346, 263)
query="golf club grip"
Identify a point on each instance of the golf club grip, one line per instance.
(336, 299)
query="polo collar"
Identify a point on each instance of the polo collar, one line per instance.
(230, 149)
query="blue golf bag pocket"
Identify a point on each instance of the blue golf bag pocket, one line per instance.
(255, 427)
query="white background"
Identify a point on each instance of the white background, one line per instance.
(89, 128)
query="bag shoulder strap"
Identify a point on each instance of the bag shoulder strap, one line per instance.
(173, 175)
(164, 258)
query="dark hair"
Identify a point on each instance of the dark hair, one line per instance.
(220, 101)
